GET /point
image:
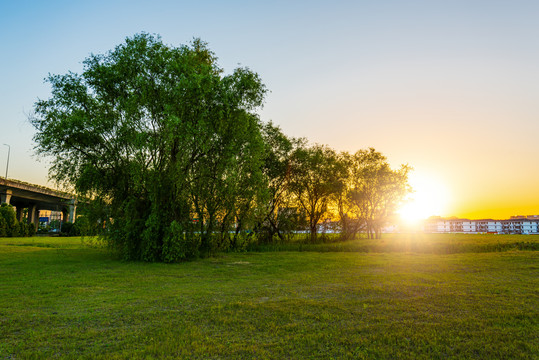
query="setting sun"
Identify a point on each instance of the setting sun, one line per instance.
(429, 197)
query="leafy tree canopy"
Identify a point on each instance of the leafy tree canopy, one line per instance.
(376, 190)
(163, 136)
(317, 174)
(174, 155)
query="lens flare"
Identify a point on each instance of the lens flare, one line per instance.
(429, 198)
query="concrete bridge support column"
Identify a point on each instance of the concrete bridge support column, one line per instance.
(72, 212)
(64, 215)
(5, 196)
(33, 215)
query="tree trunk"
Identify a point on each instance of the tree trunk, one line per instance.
(313, 233)
(275, 230)
(345, 231)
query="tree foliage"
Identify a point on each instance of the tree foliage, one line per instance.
(177, 163)
(350, 221)
(316, 174)
(277, 214)
(375, 189)
(161, 135)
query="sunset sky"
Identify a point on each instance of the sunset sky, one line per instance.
(449, 87)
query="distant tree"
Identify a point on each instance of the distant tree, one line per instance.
(376, 190)
(226, 184)
(160, 135)
(316, 175)
(350, 223)
(276, 215)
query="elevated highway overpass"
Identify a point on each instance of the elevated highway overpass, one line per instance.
(33, 197)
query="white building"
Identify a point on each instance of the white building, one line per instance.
(514, 225)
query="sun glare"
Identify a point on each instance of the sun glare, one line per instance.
(429, 198)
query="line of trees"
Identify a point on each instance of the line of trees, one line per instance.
(313, 183)
(177, 152)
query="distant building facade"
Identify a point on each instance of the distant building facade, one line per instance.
(515, 225)
(46, 217)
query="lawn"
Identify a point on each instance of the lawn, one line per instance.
(412, 242)
(61, 298)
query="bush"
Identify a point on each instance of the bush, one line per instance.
(23, 229)
(43, 229)
(83, 227)
(179, 245)
(66, 228)
(3, 227)
(11, 225)
(31, 229)
(151, 238)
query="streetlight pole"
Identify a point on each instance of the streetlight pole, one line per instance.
(8, 153)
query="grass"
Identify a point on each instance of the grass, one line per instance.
(60, 298)
(413, 242)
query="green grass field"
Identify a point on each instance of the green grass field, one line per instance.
(396, 299)
(416, 242)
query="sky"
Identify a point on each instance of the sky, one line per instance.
(448, 87)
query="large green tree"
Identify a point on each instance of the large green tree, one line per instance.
(164, 137)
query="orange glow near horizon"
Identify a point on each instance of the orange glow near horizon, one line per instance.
(471, 196)
(502, 209)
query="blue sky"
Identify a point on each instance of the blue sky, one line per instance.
(450, 87)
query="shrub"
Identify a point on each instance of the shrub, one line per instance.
(10, 218)
(179, 245)
(66, 228)
(83, 227)
(43, 229)
(151, 238)
(3, 227)
(31, 231)
(23, 229)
